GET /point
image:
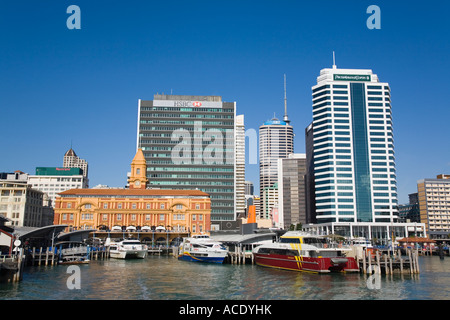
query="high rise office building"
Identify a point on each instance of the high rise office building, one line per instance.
(71, 160)
(292, 190)
(434, 205)
(353, 148)
(410, 212)
(53, 180)
(310, 192)
(240, 164)
(192, 142)
(249, 188)
(276, 140)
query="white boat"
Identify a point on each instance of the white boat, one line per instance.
(72, 252)
(202, 248)
(361, 242)
(127, 249)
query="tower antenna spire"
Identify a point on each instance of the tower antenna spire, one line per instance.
(285, 118)
(334, 61)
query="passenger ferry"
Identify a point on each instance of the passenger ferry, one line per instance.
(202, 248)
(304, 252)
(127, 249)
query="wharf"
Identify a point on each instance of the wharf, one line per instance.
(376, 261)
(387, 262)
(49, 256)
(11, 268)
(240, 256)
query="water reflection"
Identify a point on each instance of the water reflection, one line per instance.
(165, 278)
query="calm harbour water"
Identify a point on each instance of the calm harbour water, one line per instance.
(166, 278)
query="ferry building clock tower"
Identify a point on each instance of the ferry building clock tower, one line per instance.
(138, 177)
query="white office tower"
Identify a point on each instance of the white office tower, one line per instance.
(240, 165)
(353, 146)
(276, 140)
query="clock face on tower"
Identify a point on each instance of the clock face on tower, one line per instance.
(137, 183)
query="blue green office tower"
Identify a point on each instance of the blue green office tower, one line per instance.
(195, 142)
(353, 148)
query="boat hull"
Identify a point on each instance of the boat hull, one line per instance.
(129, 254)
(74, 262)
(186, 256)
(307, 264)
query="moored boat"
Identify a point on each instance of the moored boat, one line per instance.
(304, 252)
(202, 248)
(127, 249)
(72, 252)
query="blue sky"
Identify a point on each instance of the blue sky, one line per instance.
(61, 86)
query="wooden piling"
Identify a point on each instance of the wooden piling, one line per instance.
(364, 261)
(390, 266)
(417, 262)
(410, 262)
(377, 254)
(386, 270)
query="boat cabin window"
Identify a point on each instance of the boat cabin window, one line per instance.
(325, 254)
(201, 237)
(306, 240)
(131, 242)
(285, 252)
(290, 240)
(314, 240)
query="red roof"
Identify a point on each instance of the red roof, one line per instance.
(416, 239)
(132, 192)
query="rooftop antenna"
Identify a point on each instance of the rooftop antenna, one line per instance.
(334, 61)
(285, 118)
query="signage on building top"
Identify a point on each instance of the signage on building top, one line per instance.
(187, 104)
(351, 77)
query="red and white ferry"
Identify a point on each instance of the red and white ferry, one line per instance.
(299, 251)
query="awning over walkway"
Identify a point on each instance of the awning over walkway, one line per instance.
(77, 235)
(237, 239)
(43, 233)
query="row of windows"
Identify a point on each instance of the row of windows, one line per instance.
(175, 122)
(133, 206)
(171, 129)
(344, 187)
(133, 217)
(191, 115)
(191, 169)
(193, 183)
(217, 140)
(316, 98)
(196, 109)
(193, 176)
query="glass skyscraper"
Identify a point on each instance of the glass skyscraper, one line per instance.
(353, 148)
(189, 142)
